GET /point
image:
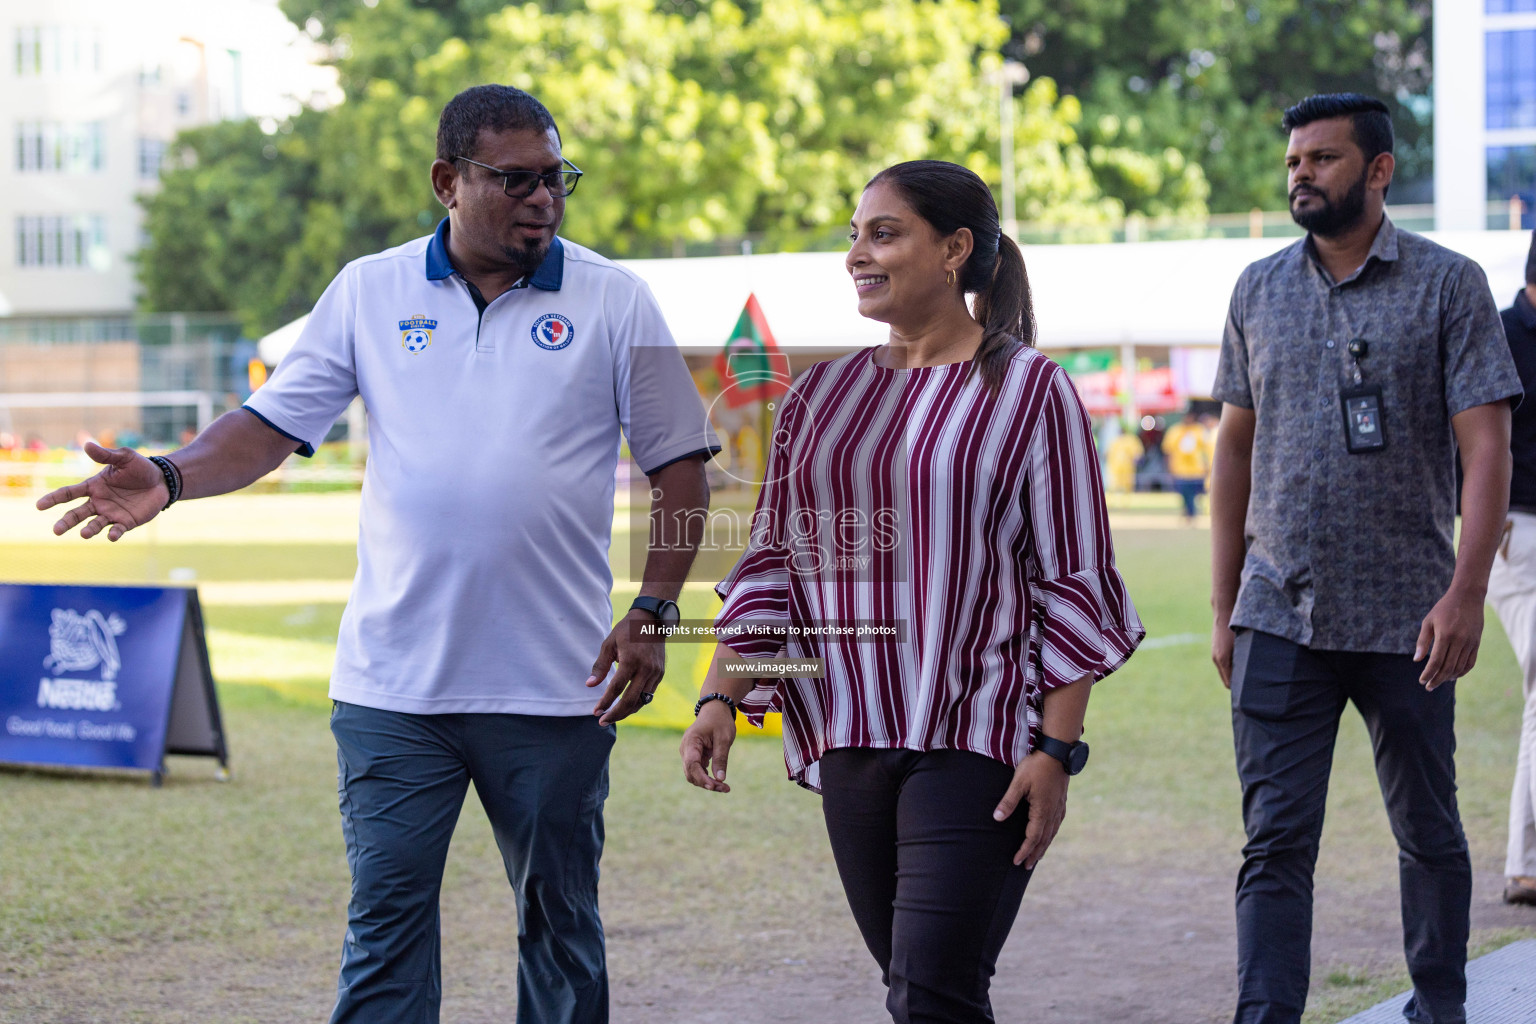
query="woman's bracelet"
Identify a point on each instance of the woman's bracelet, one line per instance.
(715, 696)
(172, 474)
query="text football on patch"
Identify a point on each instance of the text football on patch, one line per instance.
(416, 333)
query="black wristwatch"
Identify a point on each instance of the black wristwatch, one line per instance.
(1073, 756)
(665, 611)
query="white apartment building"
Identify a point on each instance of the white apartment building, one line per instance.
(1485, 111)
(91, 94)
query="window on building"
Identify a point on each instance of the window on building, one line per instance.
(183, 102)
(1512, 172)
(65, 241)
(98, 145)
(28, 60)
(151, 156)
(51, 50)
(1510, 6)
(67, 148)
(1512, 79)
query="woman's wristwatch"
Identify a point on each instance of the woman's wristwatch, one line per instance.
(715, 696)
(1073, 756)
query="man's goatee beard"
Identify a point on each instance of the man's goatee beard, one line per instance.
(527, 260)
(1330, 219)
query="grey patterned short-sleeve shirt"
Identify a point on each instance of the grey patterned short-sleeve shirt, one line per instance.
(1350, 551)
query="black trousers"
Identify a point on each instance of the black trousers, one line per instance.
(929, 875)
(1286, 704)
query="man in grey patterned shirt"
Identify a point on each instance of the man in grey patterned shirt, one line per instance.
(1354, 366)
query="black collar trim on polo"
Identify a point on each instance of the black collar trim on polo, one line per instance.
(549, 276)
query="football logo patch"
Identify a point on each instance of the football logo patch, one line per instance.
(416, 333)
(553, 331)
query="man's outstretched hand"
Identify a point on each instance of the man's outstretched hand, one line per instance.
(129, 492)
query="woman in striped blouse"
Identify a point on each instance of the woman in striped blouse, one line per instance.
(932, 527)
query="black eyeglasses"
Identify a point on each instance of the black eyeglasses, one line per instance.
(522, 184)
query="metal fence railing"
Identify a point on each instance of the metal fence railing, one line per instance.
(141, 378)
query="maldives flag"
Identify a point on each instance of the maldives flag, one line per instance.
(751, 367)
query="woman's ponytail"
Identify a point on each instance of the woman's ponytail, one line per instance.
(1006, 314)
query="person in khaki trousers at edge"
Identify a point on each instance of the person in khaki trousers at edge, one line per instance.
(1512, 589)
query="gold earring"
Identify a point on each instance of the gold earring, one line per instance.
(951, 278)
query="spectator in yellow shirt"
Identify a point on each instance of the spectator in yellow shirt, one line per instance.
(1187, 444)
(1120, 460)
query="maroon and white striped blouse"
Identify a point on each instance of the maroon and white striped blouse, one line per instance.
(973, 523)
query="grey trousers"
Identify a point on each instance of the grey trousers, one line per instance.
(402, 781)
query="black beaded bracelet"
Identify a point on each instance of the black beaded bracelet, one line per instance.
(172, 478)
(714, 696)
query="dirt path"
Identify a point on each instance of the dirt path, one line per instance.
(1122, 950)
(1127, 950)
(203, 903)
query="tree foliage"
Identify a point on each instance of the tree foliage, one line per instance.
(703, 119)
(694, 127)
(692, 121)
(227, 229)
(1208, 79)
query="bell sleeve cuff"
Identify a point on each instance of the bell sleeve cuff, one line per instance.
(1087, 626)
(753, 621)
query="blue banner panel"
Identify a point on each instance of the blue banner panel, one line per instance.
(87, 673)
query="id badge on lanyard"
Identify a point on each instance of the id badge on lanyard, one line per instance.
(1365, 427)
(1364, 430)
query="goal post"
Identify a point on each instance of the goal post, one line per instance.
(51, 417)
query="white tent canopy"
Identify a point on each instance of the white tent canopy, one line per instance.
(274, 346)
(1150, 293)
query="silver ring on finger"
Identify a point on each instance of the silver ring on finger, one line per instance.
(646, 697)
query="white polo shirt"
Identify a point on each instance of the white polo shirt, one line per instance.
(487, 507)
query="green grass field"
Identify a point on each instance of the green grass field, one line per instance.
(204, 901)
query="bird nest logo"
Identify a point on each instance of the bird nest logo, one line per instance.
(416, 333)
(79, 643)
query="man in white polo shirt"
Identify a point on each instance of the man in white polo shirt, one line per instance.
(499, 365)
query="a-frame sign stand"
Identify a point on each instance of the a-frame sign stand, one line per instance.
(194, 725)
(106, 678)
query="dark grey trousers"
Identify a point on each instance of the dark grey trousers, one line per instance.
(1286, 704)
(403, 779)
